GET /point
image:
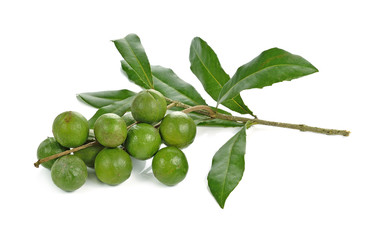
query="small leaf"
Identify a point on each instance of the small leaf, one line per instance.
(171, 86)
(206, 66)
(271, 66)
(119, 107)
(133, 52)
(227, 167)
(104, 98)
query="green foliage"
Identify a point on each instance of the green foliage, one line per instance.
(132, 51)
(206, 66)
(104, 98)
(171, 86)
(271, 66)
(227, 167)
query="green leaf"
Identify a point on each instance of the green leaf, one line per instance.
(271, 66)
(133, 52)
(119, 107)
(171, 86)
(227, 167)
(104, 98)
(132, 75)
(206, 66)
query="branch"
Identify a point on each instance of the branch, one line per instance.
(37, 164)
(301, 127)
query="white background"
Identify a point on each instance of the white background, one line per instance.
(296, 185)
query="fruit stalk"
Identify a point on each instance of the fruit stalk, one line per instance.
(304, 128)
(37, 164)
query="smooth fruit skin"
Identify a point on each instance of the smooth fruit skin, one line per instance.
(143, 141)
(71, 129)
(113, 166)
(69, 173)
(149, 106)
(49, 147)
(170, 166)
(89, 154)
(110, 130)
(178, 129)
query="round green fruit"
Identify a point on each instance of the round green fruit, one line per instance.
(149, 106)
(128, 118)
(47, 148)
(69, 173)
(178, 129)
(170, 166)
(71, 129)
(143, 141)
(110, 130)
(113, 166)
(89, 154)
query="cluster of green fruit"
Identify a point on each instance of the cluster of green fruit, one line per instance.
(138, 133)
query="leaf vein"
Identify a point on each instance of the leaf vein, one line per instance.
(233, 99)
(203, 64)
(229, 160)
(175, 89)
(258, 72)
(149, 82)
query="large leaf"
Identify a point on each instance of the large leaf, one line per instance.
(227, 167)
(206, 66)
(133, 52)
(104, 98)
(119, 107)
(171, 86)
(271, 66)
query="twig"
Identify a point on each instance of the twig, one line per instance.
(300, 127)
(37, 164)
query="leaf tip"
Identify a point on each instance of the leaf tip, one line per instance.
(221, 204)
(80, 98)
(196, 38)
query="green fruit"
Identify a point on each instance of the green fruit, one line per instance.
(89, 154)
(143, 141)
(70, 129)
(128, 118)
(69, 173)
(113, 166)
(170, 166)
(47, 148)
(178, 129)
(149, 106)
(110, 130)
